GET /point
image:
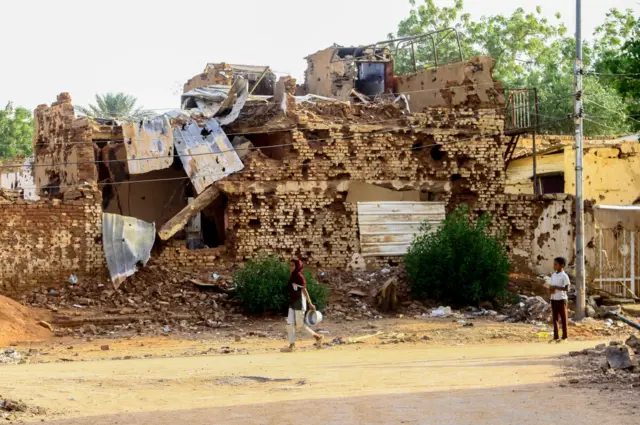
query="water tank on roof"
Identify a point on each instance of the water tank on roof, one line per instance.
(370, 78)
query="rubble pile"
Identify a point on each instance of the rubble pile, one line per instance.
(155, 294)
(616, 363)
(529, 309)
(10, 356)
(157, 297)
(355, 294)
(9, 409)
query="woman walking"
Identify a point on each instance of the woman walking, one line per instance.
(298, 299)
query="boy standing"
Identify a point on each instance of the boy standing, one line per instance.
(559, 298)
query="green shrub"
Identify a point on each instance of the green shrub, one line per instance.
(261, 286)
(459, 263)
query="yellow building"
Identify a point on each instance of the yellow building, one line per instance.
(611, 169)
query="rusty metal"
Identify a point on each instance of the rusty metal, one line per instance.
(206, 153)
(403, 43)
(520, 116)
(148, 139)
(511, 148)
(387, 228)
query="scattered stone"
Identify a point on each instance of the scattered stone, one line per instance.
(620, 357)
(104, 347)
(9, 405)
(574, 381)
(46, 325)
(615, 343)
(601, 347)
(633, 341)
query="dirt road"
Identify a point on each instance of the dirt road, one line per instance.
(370, 384)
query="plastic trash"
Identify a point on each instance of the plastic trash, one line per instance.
(441, 312)
(52, 292)
(216, 276)
(73, 279)
(385, 271)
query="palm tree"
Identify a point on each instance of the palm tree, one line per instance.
(117, 106)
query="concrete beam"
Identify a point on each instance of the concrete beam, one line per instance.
(178, 221)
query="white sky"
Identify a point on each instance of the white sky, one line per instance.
(149, 48)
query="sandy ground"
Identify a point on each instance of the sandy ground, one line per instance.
(479, 377)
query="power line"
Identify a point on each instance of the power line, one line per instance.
(283, 166)
(602, 125)
(351, 136)
(613, 74)
(269, 131)
(611, 110)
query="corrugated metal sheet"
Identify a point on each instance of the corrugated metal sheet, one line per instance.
(223, 103)
(148, 139)
(126, 241)
(387, 228)
(206, 159)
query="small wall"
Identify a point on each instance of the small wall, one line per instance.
(543, 229)
(329, 79)
(63, 146)
(43, 242)
(175, 254)
(433, 87)
(611, 173)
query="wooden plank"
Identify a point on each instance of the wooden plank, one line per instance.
(388, 228)
(178, 221)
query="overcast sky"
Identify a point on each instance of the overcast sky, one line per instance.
(150, 48)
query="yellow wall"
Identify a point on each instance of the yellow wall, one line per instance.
(520, 171)
(611, 173)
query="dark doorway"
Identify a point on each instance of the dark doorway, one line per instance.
(213, 222)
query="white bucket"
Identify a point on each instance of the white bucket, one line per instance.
(312, 318)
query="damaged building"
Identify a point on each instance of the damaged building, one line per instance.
(340, 170)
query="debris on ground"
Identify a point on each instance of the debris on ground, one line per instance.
(612, 364)
(9, 409)
(529, 309)
(10, 356)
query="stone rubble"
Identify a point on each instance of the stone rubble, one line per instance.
(613, 364)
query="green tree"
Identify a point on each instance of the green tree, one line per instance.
(619, 65)
(529, 50)
(460, 262)
(115, 106)
(16, 131)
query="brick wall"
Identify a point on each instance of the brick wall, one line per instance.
(43, 242)
(293, 203)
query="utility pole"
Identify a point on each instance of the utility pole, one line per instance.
(580, 263)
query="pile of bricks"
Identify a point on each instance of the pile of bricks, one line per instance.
(176, 254)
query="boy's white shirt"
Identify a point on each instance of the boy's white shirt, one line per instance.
(560, 280)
